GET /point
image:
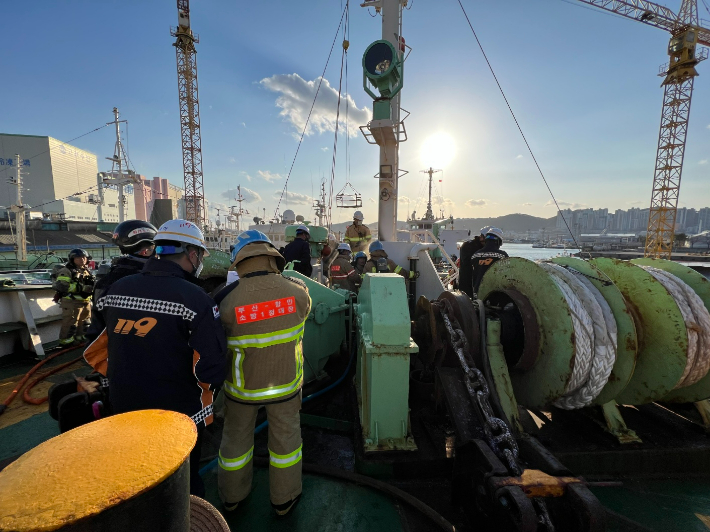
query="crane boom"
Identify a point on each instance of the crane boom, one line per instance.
(679, 74)
(189, 114)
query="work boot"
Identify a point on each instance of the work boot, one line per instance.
(80, 338)
(66, 341)
(282, 510)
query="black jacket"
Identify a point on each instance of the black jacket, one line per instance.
(121, 267)
(166, 345)
(468, 248)
(299, 250)
(482, 260)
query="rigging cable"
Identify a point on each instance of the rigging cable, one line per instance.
(308, 118)
(335, 141)
(490, 67)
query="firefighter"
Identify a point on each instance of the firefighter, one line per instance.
(135, 240)
(487, 255)
(163, 345)
(359, 260)
(74, 285)
(264, 314)
(380, 263)
(358, 235)
(342, 273)
(299, 251)
(468, 248)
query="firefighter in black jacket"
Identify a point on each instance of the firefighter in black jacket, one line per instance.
(468, 248)
(299, 250)
(135, 240)
(163, 345)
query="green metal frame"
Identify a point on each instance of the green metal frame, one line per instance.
(384, 349)
(390, 82)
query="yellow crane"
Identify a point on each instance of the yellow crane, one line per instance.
(189, 114)
(687, 33)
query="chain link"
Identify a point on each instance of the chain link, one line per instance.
(498, 434)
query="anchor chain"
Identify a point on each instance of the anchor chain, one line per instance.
(498, 434)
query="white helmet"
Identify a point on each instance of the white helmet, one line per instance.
(358, 216)
(485, 229)
(494, 231)
(179, 231)
(345, 247)
(303, 229)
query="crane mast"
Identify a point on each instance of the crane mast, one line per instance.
(679, 74)
(189, 114)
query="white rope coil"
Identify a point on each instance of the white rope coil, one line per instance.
(697, 323)
(595, 337)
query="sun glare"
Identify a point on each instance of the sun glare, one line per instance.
(438, 150)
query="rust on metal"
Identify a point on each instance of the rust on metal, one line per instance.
(535, 483)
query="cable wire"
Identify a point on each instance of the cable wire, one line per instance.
(518, 124)
(308, 118)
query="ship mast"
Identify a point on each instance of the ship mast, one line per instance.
(120, 174)
(383, 64)
(429, 213)
(19, 209)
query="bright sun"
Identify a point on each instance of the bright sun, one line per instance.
(438, 150)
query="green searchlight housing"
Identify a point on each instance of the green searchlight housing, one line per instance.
(383, 69)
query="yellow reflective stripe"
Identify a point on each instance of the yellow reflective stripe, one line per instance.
(236, 463)
(285, 460)
(63, 278)
(273, 392)
(237, 369)
(267, 339)
(398, 269)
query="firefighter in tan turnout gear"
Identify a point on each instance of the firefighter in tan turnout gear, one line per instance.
(74, 285)
(263, 314)
(357, 235)
(342, 272)
(380, 263)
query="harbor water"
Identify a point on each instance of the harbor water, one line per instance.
(527, 252)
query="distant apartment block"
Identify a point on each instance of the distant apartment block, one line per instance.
(634, 220)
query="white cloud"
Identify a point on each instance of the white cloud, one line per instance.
(244, 174)
(476, 203)
(440, 201)
(704, 161)
(519, 156)
(324, 148)
(244, 124)
(232, 160)
(250, 196)
(296, 97)
(210, 107)
(566, 205)
(293, 198)
(268, 176)
(404, 199)
(708, 126)
(527, 204)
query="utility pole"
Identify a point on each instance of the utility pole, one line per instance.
(429, 213)
(118, 176)
(19, 210)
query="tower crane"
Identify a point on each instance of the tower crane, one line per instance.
(189, 114)
(687, 32)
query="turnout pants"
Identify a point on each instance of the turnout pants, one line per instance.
(236, 452)
(74, 313)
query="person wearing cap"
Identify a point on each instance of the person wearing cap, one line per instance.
(380, 263)
(74, 285)
(468, 248)
(299, 251)
(264, 314)
(342, 273)
(163, 345)
(357, 235)
(135, 240)
(489, 254)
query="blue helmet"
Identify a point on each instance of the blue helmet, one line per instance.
(248, 237)
(376, 245)
(360, 254)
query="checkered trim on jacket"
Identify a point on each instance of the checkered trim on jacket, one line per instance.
(151, 305)
(203, 414)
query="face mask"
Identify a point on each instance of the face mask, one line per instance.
(197, 269)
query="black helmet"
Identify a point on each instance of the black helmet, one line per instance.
(132, 235)
(74, 253)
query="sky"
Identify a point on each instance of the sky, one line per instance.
(582, 83)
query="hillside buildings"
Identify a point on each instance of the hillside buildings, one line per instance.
(634, 220)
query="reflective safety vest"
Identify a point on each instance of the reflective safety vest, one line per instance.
(74, 283)
(371, 266)
(358, 237)
(264, 317)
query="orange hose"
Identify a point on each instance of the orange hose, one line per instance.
(39, 400)
(27, 376)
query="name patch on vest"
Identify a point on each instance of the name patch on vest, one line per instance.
(265, 310)
(335, 268)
